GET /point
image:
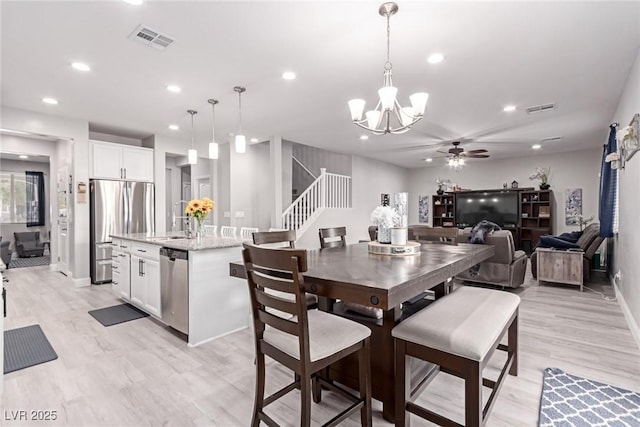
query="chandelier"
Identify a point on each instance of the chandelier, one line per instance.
(388, 112)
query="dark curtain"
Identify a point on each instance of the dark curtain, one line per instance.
(608, 187)
(35, 198)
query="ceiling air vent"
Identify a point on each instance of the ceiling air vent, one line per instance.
(540, 108)
(151, 37)
(552, 139)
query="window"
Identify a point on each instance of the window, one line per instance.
(20, 197)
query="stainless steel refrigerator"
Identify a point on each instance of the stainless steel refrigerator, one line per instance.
(117, 207)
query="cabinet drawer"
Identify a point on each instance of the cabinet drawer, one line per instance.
(147, 251)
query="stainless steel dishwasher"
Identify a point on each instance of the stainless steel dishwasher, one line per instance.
(174, 288)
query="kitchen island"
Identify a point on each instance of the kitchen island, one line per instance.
(215, 303)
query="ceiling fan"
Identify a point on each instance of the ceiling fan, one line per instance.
(457, 152)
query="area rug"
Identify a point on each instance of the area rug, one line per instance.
(568, 401)
(30, 262)
(120, 313)
(24, 347)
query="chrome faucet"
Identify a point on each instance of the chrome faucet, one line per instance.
(186, 219)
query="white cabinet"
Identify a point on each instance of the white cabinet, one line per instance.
(145, 278)
(118, 161)
(120, 269)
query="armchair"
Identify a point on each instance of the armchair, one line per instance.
(28, 244)
(589, 242)
(506, 268)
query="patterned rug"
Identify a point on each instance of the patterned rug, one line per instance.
(569, 401)
(30, 262)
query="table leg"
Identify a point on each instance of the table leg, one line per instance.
(387, 355)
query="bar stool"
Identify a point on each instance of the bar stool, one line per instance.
(459, 332)
(307, 342)
(227, 231)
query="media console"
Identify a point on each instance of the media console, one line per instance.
(526, 212)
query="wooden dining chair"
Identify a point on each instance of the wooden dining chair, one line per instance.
(445, 235)
(226, 231)
(332, 237)
(442, 235)
(306, 342)
(246, 233)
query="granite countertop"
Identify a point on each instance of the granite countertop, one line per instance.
(179, 241)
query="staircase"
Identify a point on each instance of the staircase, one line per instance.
(328, 191)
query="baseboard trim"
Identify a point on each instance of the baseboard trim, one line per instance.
(631, 322)
(216, 337)
(81, 282)
(53, 267)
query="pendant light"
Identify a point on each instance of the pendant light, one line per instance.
(241, 141)
(213, 145)
(192, 154)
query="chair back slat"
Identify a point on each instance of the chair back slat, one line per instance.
(444, 235)
(273, 279)
(331, 233)
(291, 327)
(277, 258)
(278, 303)
(267, 237)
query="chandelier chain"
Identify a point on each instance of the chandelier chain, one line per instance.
(387, 66)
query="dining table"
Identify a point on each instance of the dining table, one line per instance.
(393, 283)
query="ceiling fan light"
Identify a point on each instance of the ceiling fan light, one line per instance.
(461, 161)
(451, 162)
(419, 102)
(356, 106)
(373, 118)
(387, 97)
(213, 150)
(241, 144)
(406, 116)
(192, 156)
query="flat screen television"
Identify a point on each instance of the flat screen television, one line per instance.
(500, 207)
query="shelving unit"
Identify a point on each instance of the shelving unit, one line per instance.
(536, 216)
(444, 210)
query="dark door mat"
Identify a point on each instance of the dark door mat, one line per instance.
(24, 347)
(120, 313)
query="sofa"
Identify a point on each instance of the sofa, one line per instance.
(28, 244)
(506, 268)
(589, 242)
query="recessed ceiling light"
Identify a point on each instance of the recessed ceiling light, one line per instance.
(435, 58)
(80, 66)
(364, 137)
(174, 88)
(134, 2)
(536, 146)
(289, 75)
(254, 140)
(23, 156)
(509, 108)
(51, 101)
(428, 159)
(174, 127)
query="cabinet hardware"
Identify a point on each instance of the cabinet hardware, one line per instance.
(143, 272)
(142, 250)
(125, 173)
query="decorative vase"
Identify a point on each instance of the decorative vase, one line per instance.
(399, 235)
(544, 186)
(440, 192)
(199, 229)
(384, 234)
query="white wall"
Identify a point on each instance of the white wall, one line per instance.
(578, 169)
(627, 241)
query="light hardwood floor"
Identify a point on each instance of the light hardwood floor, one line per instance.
(139, 373)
